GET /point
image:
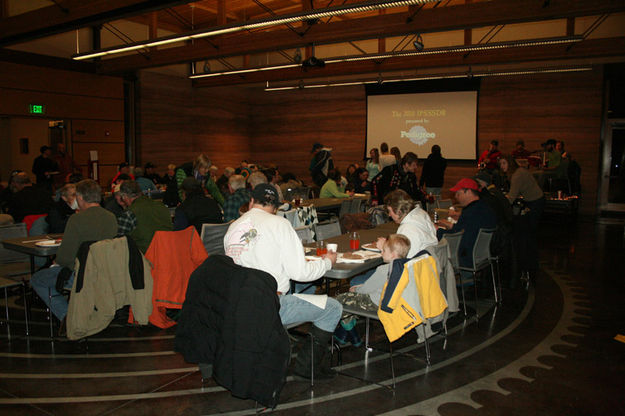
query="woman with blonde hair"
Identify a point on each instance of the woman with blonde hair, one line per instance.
(199, 169)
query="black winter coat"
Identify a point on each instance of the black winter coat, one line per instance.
(230, 318)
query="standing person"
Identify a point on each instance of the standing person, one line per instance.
(320, 163)
(66, 164)
(398, 177)
(44, 167)
(386, 159)
(92, 223)
(196, 208)
(433, 173)
(264, 241)
(490, 156)
(373, 164)
(199, 170)
(523, 184)
(397, 153)
(143, 215)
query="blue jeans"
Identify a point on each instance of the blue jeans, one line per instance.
(294, 309)
(44, 283)
(361, 278)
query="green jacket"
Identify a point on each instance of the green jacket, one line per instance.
(151, 216)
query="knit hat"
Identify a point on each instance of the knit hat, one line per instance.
(465, 183)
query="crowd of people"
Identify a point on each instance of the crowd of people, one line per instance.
(249, 196)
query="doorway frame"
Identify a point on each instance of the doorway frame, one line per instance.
(606, 161)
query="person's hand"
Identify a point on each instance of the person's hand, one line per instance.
(444, 224)
(330, 255)
(350, 193)
(454, 214)
(353, 288)
(379, 244)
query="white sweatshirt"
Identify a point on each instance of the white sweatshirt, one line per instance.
(419, 229)
(266, 242)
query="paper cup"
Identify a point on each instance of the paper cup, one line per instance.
(332, 247)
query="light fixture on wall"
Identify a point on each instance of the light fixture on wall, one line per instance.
(418, 43)
(308, 15)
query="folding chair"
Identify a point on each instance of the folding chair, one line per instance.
(444, 203)
(305, 234)
(327, 230)
(213, 237)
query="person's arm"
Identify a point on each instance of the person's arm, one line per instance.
(68, 249)
(180, 177)
(376, 282)
(126, 223)
(515, 187)
(295, 264)
(212, 189)
(335, 191)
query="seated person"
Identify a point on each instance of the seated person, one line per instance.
(145, 184)
(222, 182)
(151, 174)
(332, 187)
(92, 223)
(122, 169)
(196, 208)
(143, 215)
(27, 199)
(114, 203)
(62, 209)
(367, 296)
(262, 240)
(361, 182)
(475, 214)
(239, 195)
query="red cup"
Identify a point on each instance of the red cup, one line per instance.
(354, 241)
(321, 248)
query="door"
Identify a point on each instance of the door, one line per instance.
(613, 170)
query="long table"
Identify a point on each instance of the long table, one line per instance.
(328, 204)
(28, 245)
(349, 270)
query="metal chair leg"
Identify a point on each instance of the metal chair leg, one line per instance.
(6, 309)
(477, 315)
(25, 308)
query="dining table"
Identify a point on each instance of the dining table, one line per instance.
(40, 246)
(329, 204)
(342, 270)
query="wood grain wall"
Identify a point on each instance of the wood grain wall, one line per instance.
(176, 123)
(91, 104)
(279, 128)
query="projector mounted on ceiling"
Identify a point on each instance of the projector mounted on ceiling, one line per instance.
(313, 62)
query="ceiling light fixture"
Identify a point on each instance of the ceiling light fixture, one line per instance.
(433, 77)
(365, 6)
(451, 49)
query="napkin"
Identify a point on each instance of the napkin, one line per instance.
(366, 255)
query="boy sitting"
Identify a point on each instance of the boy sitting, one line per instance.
(367, 296)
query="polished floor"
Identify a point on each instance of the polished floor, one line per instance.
(548, 350)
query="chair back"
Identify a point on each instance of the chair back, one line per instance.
(213, 237)
(346, 207)
(8, 232)
(305, 234)
(355, 207)
(444, 203)
(453, 245)
(481, 249)
(327, 230)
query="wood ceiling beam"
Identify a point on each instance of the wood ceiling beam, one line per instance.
(73, 14)
(596, 48)
(439, 19)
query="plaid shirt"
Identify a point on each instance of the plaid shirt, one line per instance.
(126, 223)
(234, 202)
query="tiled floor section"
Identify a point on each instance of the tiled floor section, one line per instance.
(547, 351)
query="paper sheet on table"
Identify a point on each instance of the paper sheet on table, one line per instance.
(317, 300)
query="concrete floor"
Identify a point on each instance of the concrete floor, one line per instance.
(549, 350)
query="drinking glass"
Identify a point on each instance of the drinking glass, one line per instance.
(321, 248)
(354, 241)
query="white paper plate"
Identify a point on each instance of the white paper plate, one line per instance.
(48, 243)
(371, 247)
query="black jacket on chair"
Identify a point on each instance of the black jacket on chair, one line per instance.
(230, 318)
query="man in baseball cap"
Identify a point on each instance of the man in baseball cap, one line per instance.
(475, 214)
(261, 240)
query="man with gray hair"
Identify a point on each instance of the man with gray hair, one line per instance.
(239, 195)
(255, 179)
(27, 199)
(143, 216)
(91, 223)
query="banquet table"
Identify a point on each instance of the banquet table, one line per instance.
(28, 245)
(329, 204)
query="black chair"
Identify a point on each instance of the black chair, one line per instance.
(212, 237)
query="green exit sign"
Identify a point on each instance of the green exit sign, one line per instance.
(37, 108)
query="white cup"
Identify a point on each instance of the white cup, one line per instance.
(332, 247)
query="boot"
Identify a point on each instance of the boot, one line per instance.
(349, 325)
(340, 335)
(322, 370)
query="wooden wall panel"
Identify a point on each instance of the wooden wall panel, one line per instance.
(177, 123)
(535, 108)
(98, 131)
(286, 124)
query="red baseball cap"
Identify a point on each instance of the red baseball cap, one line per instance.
(465, 183)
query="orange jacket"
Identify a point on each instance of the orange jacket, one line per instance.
(174, 256)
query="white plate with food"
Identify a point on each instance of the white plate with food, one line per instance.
(48, 243)
(371, 247)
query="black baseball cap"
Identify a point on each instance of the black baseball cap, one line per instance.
(266, 194)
